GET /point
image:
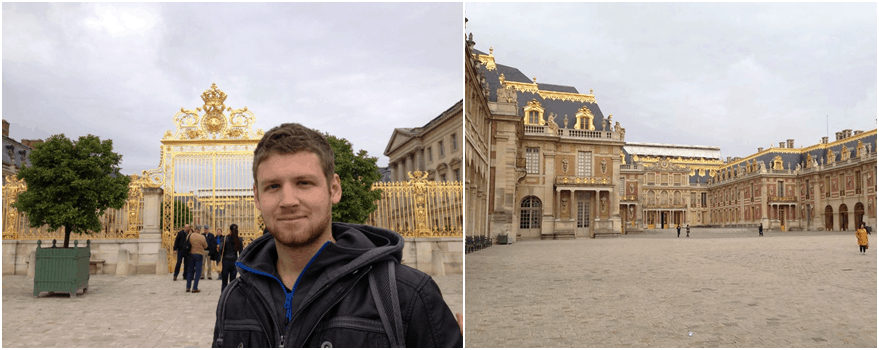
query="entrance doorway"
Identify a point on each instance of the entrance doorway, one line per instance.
(843, 218)
(781, 218)
(859, 214)
(828, 218)
(582, 214)
(664, 222)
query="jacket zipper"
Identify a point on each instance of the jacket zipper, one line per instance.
(287, 299)
(338, 300)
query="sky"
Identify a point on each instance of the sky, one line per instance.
(121, 71)
(736, 75)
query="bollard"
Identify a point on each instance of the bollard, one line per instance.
(31, 264)
(122, 263)
(161, 262)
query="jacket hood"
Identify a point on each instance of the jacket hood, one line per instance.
(355, 246)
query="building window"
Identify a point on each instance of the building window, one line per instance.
(781, 188)
(530, 213)
(532, 160)
(622, 186)
(442, 150)
(429, 155)
(443, 177)
(533, 118)
(584, 164)
(807, 189)
(454, 142)
(458, 175)
(678, 179)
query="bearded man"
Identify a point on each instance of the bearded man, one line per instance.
(308, 282)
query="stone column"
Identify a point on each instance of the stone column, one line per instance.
(150, 239)
(419, 158)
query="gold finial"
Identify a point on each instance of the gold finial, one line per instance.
(535, 80)
(491, 51)
(590, 92)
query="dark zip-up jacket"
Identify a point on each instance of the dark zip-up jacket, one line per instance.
(330, 304)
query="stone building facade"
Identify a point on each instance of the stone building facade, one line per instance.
(558, 168)
(436, 148)
(15, 154)
(477, 151)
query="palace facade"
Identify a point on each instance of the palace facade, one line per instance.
(558, 167)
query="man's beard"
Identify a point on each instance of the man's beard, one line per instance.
(296, 241)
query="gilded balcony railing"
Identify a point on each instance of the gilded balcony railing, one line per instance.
(572, 180)
(420, 208)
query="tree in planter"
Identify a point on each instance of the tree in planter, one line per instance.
(357, 173)
(71, 184)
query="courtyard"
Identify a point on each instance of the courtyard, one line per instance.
(718, 288)
(142, 311)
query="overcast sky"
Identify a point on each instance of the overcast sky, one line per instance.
(738, 76)
(121, 71)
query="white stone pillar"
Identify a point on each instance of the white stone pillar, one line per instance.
(150, 239)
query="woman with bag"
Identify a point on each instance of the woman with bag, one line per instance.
(862, 233)
(231, 248)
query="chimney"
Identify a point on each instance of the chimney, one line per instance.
(847, 133)
(728, 159)
(858, 132)
(759, 149)
(781, 145)
(824, 139)
(5, 128)
(790, 143)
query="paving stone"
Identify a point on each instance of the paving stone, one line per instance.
(135, 311)
(727, 286)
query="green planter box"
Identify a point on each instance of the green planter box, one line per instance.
(62, 270)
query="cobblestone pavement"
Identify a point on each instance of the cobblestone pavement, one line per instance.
(729, 288)
(140, 311)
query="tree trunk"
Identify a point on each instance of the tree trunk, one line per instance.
(67, 230)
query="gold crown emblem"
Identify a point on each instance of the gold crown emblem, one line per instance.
(214, 121)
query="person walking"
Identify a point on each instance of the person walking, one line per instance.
(208, 252)
(196, 256)
(760, 230)
(181, 255)
(861, 234)
(688, 230)
(679, 230)
(231, 247)
(217, 257)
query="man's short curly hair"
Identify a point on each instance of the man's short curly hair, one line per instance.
(290, 138)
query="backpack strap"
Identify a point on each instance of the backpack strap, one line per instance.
(383, 287)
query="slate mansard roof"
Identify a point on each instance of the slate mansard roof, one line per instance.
(793, 156)
(559, 107)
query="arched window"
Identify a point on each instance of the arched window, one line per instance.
(531, 214)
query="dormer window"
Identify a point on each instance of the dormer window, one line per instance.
(534, 113)
(584, 119)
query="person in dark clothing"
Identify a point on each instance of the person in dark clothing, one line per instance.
(208, 253)
(688, 230)
(181, 255)
(309, 282)
(760, 230)
(679, 230)
(215, 254)
(230, 249)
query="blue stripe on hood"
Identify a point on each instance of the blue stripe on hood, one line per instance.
(288, 297)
